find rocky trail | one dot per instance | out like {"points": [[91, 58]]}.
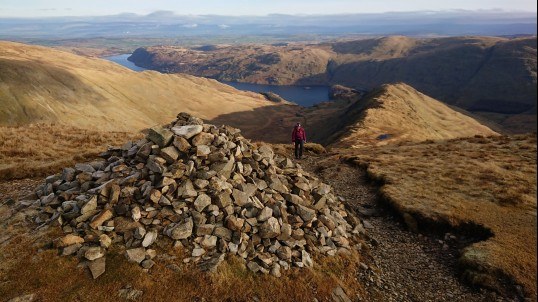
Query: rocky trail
{"points": [[401, 265]]}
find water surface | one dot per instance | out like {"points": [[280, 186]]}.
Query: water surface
{"points": [[302, 95]]}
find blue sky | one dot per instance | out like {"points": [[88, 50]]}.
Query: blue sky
{"points": [[43, 8]]}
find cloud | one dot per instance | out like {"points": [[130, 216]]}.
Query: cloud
{"points": [[223, 26], [190, 25]]}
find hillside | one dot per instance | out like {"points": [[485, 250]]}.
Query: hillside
{"points": [[397, 112], [481, 188], [493, 76], [39, 84]]}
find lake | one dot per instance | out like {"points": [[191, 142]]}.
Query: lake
{"points": [[302, 95]]}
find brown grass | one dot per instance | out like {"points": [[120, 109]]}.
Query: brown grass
{"points": [[43, 149], [488, 182], [27, 266]]}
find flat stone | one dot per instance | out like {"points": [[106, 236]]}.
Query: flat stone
{"points": [[105, 241], [204, 229], [23, 298], [97, 267], [137, 254], [71, 249], [223, 233], [201, 202], [338, 295], [93, 253], [69, 239], [170, 154], [240, 198], [186, 189], [234, 223], [100, 218], [265, 214], [270, 228], [181, 144], [187, 131], [209, 242], [181, 230], [305, 213], [90, 206], [211, 264], [223, 200], [147, 264], [130, 294], [306, 259], [203, 138], [160, 136], [150, 238]]}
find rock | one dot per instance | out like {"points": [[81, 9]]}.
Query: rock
{"points": [[69, 239], [306, 259], [135, 214], [223, 233], [204, 229], [197, 252], [84, 168], [71, 249], [265, 214], [270, 228], [90, 206], [275, 270], [202, 151], [223, 200], [201, 202], [187, 131], [240, 198], [23, 298], [137, 254], [100, 218], [97, 267], [186, 189], [150, 238], [338, 295], [224, 169], [160, 136], [209, 242], [181, 144], [211, 264], [93, 253], [253, 266], [130, 293], [203, 139], [306, 213], [147, 264], [105, 241], [233, 223], [170, 154], [182, 230]]}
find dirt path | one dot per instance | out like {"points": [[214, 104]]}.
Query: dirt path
{"points": [[402, 266]]}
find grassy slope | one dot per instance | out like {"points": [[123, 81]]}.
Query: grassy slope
{"points": [[40, 84], [42, 149], [489, 182], [406, 115]]}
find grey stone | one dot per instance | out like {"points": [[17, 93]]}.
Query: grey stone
{"points": [[201, 202], [181, 230], [270, 228], [160, 136], [97, 267], [338, 295], [150, 238], [211, 264], [93, 253], [187, 131], [137, 254], [170, 154], [265, 214]]}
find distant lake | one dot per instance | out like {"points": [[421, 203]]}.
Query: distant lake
{"points": [[122, 60], [302, 95]]}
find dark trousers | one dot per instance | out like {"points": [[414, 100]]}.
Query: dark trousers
{"points": [[299, 146]]}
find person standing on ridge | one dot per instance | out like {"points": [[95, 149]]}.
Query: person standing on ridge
{"points": [[298, 136]]}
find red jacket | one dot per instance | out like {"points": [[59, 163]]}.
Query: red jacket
{"points": [[298, 133]]}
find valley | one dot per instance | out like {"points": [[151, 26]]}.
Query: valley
{"points": [[496, 80], [443, 206]]}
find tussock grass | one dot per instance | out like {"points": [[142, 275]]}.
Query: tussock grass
{"points": [[489, 182], [43, 149], [29, 267]]}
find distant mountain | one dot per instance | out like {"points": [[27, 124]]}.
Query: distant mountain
{"points": [[493, 76], [397, 112], [39, 84], [168, 24]]}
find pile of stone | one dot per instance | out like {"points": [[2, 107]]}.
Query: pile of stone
{"points": [[200, 187]]}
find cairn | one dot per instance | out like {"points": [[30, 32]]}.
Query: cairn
{"points": [[204, 188]]}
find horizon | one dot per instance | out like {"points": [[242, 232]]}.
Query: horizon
{"points": [[100, 8]]}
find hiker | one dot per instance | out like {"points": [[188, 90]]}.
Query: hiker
{"points": [[298, 136]]}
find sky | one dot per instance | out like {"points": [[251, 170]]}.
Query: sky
{"points": [[49, 8]]}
